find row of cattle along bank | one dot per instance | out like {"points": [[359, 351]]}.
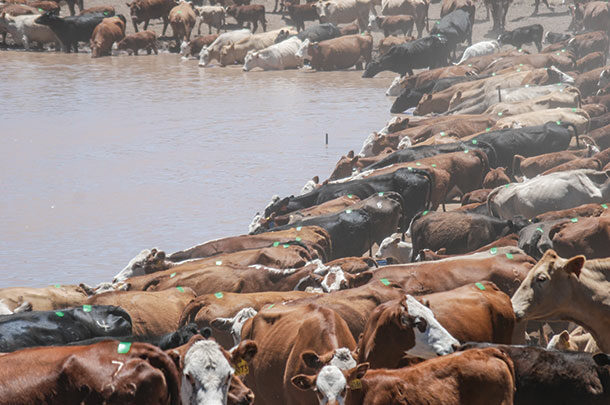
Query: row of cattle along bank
{"points": [[372, 287]]}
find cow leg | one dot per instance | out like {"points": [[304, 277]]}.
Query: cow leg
{"points": [[165, 23], [26, 42], [199, 27], [71, 7], [546, 3], [444, 208], [536, 5], [264, 24], [146, 24], [255, 26], [538, 45], [275, 7]]}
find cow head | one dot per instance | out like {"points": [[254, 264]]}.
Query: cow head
{"points": [[393, 246], [282, 35], [311, 185], [146, 262], [234, 325], [250, 61], [47, 18], [546, 290], [231, 10], [604, 79], [372, 69], [302, 52], [343, 358], [335, 279], [208, 369], [227, 53], [408, 98], [323, 10], [577, 13], [331, 383]]}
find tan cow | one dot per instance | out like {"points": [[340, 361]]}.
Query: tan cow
{"points": [[569, 97], [45, 298], [577, 117], [105, 34], [568, 289], [182, 18], [533, 166], [341, 53], [236, 52]]}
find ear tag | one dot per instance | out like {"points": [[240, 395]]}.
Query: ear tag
{"points": [[539, 229], [487, 129], [299, 228], [348, 211], [285, 246], [509, 256], [558, 122], [218, 262], [86, 308], [480, 286], [474, 141], [276, 244], [493, 250], [123, 347], [350, 196], [57, 286], [355, 384], [241, 368], [219, 295], [605, 206], [423, 214], [172, 275], [380, 194], [433, 164], [417, 164], [443, 133], [180, 289], [384, 281], [59, 314], [270, 306], [574, 220], [298, 238]]}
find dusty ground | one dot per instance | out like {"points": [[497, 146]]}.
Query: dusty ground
{"points": [[519, 14]]}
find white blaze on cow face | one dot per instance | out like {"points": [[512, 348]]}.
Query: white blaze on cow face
{"points": [[334, 279], [431, 339], [234, 325], [367, 146], [564, 77], [302, 52], [331, 385], [393, 246], [343, 359], [206, 375], [395, 88]]}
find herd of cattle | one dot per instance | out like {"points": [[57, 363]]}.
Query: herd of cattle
{"points": [[360, 290]]}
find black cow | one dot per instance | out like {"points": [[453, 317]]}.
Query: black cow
{"points": [[553, 37], [353, 231], [427, 52], [71, 30], [523, 35], [458, 232], [535, 239], [499, 9], [165, 342], [528, 141], [319, 32], [551, 377], [414, 186], [456, 27], [47, 328]]}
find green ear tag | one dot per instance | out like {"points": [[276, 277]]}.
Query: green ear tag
{"points": [[299, 228], [539, 230], [348, 211], [41, 10], [276, 244], [423, 214], [520, 50], [180, 289], [500, 114], [219, 295], [298, 239], [465, 150], [574, 219], [493, 250], [470, 65], [380, 194], [57, 286], [59, 314], [123, 347], [573, 109], [605, 206], [443, 133], [509, 256], [474, 141], [172, 275], [384, 281], [480, 286], [487, 129], [558, 122], [86, 308], [493, 74], [433, 165], [218, 262], [270, 306], [105, 12], [350, 196], [507, 185], [285, 246], [417, 164]]}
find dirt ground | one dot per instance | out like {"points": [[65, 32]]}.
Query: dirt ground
{"points": [[519, 14]]}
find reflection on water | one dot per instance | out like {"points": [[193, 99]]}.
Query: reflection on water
{"points": [[102, 158]]}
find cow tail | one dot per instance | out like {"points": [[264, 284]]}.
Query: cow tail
{"points": [[569, 124], [489, 200], [494, 160], [190, 312], [414, 250]]}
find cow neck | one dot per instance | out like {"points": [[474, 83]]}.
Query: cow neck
{"points": [[356, 396]]}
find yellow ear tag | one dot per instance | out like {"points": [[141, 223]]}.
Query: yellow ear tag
{"points": [[355, 384], [241, 368]]}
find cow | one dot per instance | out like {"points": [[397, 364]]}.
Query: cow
{"points": [[570, 289], [384, 46], [348, 164], [495, 178], [456, 27], [578, 341], [444, 380], [598, 114], [554, 191], [479, 49], [71, 6], [458, 232], [392, 24], [499, 10], [182, 18], [208, 54], [583, 44], [416, 8], [601, 137], [596, 162], [393, 246], [422, 53], [344, 11], [548, 377], [569, 97], [582, 236], [108, 11], [105, 372], [14, 10], [592, 61], [146, 10], [537, 5], [349, 29], [236, 52], [523, 35], [213, 16], [71, 30], [26, 29], [105, 34], [44, 6], [275, 57], [585, 210], [140, 40], [251, 14], [592, 16], [472, 313], [447, 6], [43, 299], [293, 340], [553, 37], [194, 46], [340, 53], [319, 32], [533, 166], [47, 328], [299, 13]]}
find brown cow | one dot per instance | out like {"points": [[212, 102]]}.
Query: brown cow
{"points": [[601, 99], [152, 313], [561, 61], [349, 29], [106, 33], [594, 111], [505, 267], [601, 137], [508, 240], [146, 10], [474, 377], [140, 40], [292, 341], [596, 162], [347, 165], [182, 19], [51, 6], [591, 61], [393, 23], [472, 313], [106, 372], [15, 10], [448, 6], [495, 178], [584, 44], [252, 14], [299, 13], [533, 166], [585, 210], [587, 82], [476, 196], [45, 298], [572, 289], [106, 10], [194, 46], [592, 16], [582, 236], [341, 53]]}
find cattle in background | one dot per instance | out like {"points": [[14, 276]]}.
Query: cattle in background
{"points": [[592, 16], [422, 53], [251, 14], [499, 9], [182, 18], [416, 8], [319, 32], [146, 10], [45, 298], [566, 97], [71, 30], [393, 246], [213, 16], [392, 24], [523, 35], [456, 27], [236, 52], [140, 40], [446, 379], [14, 10], [111, 371], [105, 34], [344, 11], [590, 62], [385, 44], [585, 210], [299, 13], [108, 11], [72, 4], [535, 165], [340, 53], [26, 29], [479, 49], [48, 328], [552, 37], [558, 288], [447, 6]]}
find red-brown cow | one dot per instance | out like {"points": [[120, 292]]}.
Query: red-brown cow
{"points": [[585, 236], [251, 14], [340, 53], [146, 10], [140, 40], [299, 13], [106, 33], [182, 19]]}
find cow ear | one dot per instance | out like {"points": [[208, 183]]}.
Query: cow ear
{"points": [[128, 4], [222, 324], [176, 357], [316, 179], [428, 97], [426, 302], [360, 279], [303, 382], [350, 154], [574, 265], [358, 372], [311, 360], [564, 336], [246, 350], [355, 159]]}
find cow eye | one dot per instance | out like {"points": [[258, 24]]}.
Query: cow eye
{"points": [[421, 324], [541, 278]]}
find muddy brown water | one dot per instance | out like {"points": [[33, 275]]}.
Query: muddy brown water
{"points": [[102, 158]]}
